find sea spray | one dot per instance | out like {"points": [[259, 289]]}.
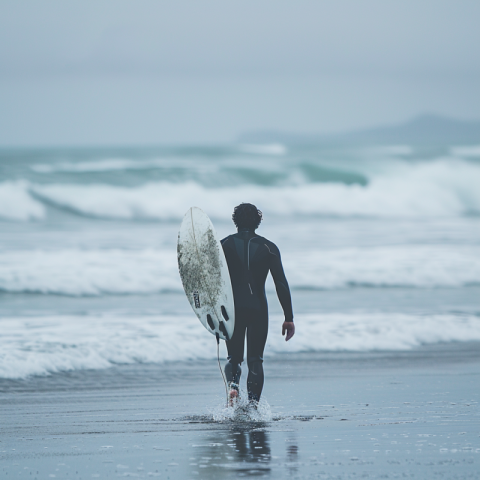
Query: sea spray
{"points": [[242, 411]]}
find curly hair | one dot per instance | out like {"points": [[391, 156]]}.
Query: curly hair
{"points": [[247, 215]]}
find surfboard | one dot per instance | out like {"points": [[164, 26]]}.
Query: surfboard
{"points": [[204, 274]]}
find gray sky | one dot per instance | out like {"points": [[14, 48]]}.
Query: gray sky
{"points": [[134, 72]]}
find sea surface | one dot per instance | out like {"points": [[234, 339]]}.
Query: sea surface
{"points": [[380, 244]]}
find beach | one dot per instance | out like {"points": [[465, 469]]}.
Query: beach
{"points": [[335, 415]]}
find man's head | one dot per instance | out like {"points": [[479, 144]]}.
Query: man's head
{"points": [[246, 215]]}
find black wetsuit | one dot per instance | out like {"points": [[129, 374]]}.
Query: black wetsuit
{"points": [[250, 258]]}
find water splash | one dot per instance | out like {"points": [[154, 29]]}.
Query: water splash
{"points": [[243, 411]]}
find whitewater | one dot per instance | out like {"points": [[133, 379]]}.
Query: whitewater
{"points": [[445, 187], [380, 245], [78, 272], [43, 345]]}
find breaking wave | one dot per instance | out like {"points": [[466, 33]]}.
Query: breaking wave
{"points": [[428, 189], [445, 187], [44, 345], [78, 272]]}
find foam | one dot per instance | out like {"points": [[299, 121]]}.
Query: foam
{"points": [[367, 331], [17, 204], [89, 272], [440, 188], [419, 266], [44, 345], [106, 165], [119, 164], [78, 272]]}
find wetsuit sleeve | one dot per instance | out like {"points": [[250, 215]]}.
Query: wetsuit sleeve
{"points": [[223, 241], [281, 284]]}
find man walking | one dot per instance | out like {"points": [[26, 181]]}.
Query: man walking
{"points": [[250, 258]]}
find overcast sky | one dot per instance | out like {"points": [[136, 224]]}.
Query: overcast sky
{"points": [[199, 71]]}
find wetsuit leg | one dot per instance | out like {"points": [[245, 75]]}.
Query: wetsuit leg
{"points": [[233, 372], [235, 349], [257, 330]]}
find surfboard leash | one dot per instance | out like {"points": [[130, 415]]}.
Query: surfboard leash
{"points": [[217, 336]]}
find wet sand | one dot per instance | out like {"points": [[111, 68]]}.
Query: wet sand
{"points": [[408, 414]]}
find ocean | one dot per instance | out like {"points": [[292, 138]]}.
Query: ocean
{"points": [[380, 245]]}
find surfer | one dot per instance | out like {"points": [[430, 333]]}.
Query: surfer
{"points": [[250, 258]]}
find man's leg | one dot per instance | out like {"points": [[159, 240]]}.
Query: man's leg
{"points": [[233, 372], [256, 338], [235, 348], [255, 378]]}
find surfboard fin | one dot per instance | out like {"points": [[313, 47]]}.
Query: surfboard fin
{"points": [[222, 328], [224, 313], [210, 322]]}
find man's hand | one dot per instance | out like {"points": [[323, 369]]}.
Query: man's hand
{"points": [[288, 327]]}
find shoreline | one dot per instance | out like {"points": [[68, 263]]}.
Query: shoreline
{"points": [[333, 363], [334, 415]]}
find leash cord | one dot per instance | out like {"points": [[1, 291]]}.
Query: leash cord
{"points": [[220, 367]]}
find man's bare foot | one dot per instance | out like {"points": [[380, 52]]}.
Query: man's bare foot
{"points": [[233, 397]]}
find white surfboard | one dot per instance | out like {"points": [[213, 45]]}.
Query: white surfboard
{"points": [[204, 273]]}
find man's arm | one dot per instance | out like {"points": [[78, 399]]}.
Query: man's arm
{"points": [[283, 290]]}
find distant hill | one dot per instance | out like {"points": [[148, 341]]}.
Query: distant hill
{"points": [[422, 130]]}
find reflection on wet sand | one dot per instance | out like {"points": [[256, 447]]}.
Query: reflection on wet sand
{"points": [[242, 450], [292, 458]]}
